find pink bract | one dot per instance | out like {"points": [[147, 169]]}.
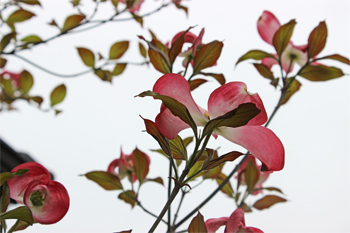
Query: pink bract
{"points": [[47, 199], [14, 77], [259, 140]]}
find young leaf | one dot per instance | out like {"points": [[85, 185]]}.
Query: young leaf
{"points": [[251, 176], [87, 56], [105, 75], [6, 40], [25, 81], [119, 69], [22, 213], [129, 197], [143, 50], [282, 37], [32, 39], [7, 86], [138, 19], [219, 77], [2, 62], [106, 180], [338, 57], [207, 56], [264, 71], [115, 3], [197, 225], [178, 148], [194, 83], [118, 49], [157, 54], [237, 117], [226, 157], [19, 16], [37, 99], [255, 54], [227, 189], [268, 201], [317, 40], [176, 108], [194, 169], [176, 47], [292, 88], [71, 22], [58, 94], [141, 165], [320, 73], [158, 180]]}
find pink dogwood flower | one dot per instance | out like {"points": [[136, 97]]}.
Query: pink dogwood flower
{"points": [[262, 175], [257, 139], [125, 166], [13, 77], [135, 7], [267, 25], [47, 199], [234, 224]]}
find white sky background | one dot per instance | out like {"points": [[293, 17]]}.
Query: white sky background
{"points": [[99, 118]]}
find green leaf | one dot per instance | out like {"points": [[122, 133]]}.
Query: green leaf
{"points": [[143, 50], [207, 56], [19, 16], [141, 165], [6, 40], [71, 22], [30, 2], [264, 71], [138, 19], [106, 180], [227, 189], [158, 180], [58, 94], [87, 56], [157, 54], [320, 73], [5, 198], [3, 62], [178, 148], [251, 176], [292, 89], [32, 39], [118, 49], [226, 157], [7, 86], [4, 176], [115, 3], [235, 118], [129, 197], [75, 2], [317, 40], [176, 47], [26, 81], [337, 57], [176, 108], [194, 169], [194, 83], [246, 208], [197, 224], [273, 189], [256, 55], [219, 77], [152, 129], [18, 226], [105, 75], [212, 173], [268, 201], [119, 69], [36, 99], [22, 213], [282, 37]]}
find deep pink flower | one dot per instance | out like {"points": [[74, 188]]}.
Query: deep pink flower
{"points": [[234, 224], [14, 77], [259, 140], [125, 166], [262, 175], [267, 25], [47, 199], [135, 7]]}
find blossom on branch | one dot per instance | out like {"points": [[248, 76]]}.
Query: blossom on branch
{"points": [[13, 77], [47, 199], [257, 139]]}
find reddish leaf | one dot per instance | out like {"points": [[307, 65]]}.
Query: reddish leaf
{"points": [[105, 75], [246, 208], [254, 54], [115, 2], [30, 2], [37, 99], [129, 197], [282, 37], [273, 189], [106, 180], [19, 16], [196, 83], [3, 62], [292, 88], [320, 73], [157, 53], [119, 69], [338, 57], [251, 176], [219, 77], [138, 19], [58, 94], [71, 22], [226, 157], [181, 7], [227, 189], [264, 71], [207, 56], [6, 40], [317, 40], [197, 224], [25, 81], [118, 49], [158, 180], [53, 23], [143, 50], [176, 47], [212, 173], [87, 56], [268, 201], [5, 198], [141, 165]]}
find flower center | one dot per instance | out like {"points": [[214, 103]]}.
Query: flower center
{"points": [[37, 198], [206, 114]]}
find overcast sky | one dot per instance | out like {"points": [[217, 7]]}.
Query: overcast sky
{"points": [[99, 118]]}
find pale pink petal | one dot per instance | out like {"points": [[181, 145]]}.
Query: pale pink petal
{"points": [[197, 42], [176, 86], [268, 24], [169, 125], [269, 62], [229, 96], [55, 204], [235, 221], [259, 141], [189, 37], [18, 184], [213, 224]]}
